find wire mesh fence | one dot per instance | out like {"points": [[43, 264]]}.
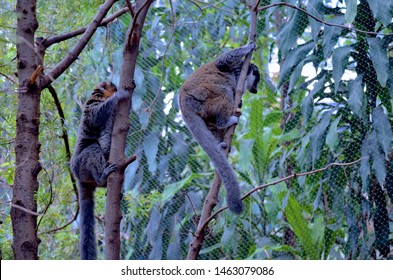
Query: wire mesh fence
{"points": [[322, 116]]}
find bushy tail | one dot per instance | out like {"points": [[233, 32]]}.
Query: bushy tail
{"points": [[87, 234], [210, 145]]}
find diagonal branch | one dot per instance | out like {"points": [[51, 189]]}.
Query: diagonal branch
{"points": [[57, 39], [292, 176], [79, 46]]}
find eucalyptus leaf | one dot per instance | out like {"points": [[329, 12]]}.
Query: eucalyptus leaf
{"points": [[364, 170], [288, 35], [332, 135], [382, 10], [351, 10], [299, 225], [293, 58], [150, 147], [356, 96], [383, 130], [380, 60], [317, 136], [340, 61], [331, 35]]}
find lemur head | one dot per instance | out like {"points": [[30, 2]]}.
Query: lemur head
{"points": [[253, 78], [107, 89]]}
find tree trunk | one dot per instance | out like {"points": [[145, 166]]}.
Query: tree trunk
{"points": [[113, 214], [27, 148]]}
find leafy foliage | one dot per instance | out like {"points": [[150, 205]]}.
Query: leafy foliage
{"points": [[330, 101]]}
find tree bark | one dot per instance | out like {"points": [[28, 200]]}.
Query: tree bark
{"points": [[25, 243], [113, 214], [27, 148]]}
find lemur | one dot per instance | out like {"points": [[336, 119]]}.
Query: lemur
{"points": [[207, 103], [89, 163]]}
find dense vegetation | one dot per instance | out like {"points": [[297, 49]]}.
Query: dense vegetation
{"points": [[325, 97]]}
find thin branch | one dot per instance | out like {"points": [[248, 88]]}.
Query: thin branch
{"points": [[127, 162], [320, 20], [130, 8], [79, 46], [64, 136], [164, 57], [135, 18], [211, 198], [9, 78], [35, 74], [50, 198], [53, 40], [21, 208], [295, 175]]}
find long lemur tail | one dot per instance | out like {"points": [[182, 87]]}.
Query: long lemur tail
{"points": [[210, 145], [87, 234]]}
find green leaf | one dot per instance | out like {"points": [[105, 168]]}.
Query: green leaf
{"points": [[316, 138], [383, 129], [356, 97], [351, 10], [382, 10], [292, 60], [313, 9], [340, 61], [370, 148], [288, 35], [364, 170], [331, 137], [307, 104], [331, 35], [150, 147], [380, 59], [299, 225], [172, 189]]}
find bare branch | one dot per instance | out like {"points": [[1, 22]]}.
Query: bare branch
{"points": [[79, 46], [36, 72], [21, 208], [56, 39], [330, 165], [320, 20]]}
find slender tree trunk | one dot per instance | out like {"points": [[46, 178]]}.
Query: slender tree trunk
{"points": [[211, 199], [113, 214], [25, 244]]}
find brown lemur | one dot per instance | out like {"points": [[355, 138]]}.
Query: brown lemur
{"points": [[207, 105], [89, 163]]}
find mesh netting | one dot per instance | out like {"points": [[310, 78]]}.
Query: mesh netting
{"points": [[323, 106]]}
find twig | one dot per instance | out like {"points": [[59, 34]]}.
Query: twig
{"points": [[35, 74], [135, 18], [21, 208], [8, 78], [129, 160], [68, 156], [50, 198], [53, 40], [73, 54], [282, 180], [320, 20], [130, 8]]}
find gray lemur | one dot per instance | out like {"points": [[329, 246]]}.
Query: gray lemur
{"points": [[207, 104], [89, 163]]}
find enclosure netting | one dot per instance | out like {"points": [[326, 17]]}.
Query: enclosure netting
{"points": [[324, 106]]}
